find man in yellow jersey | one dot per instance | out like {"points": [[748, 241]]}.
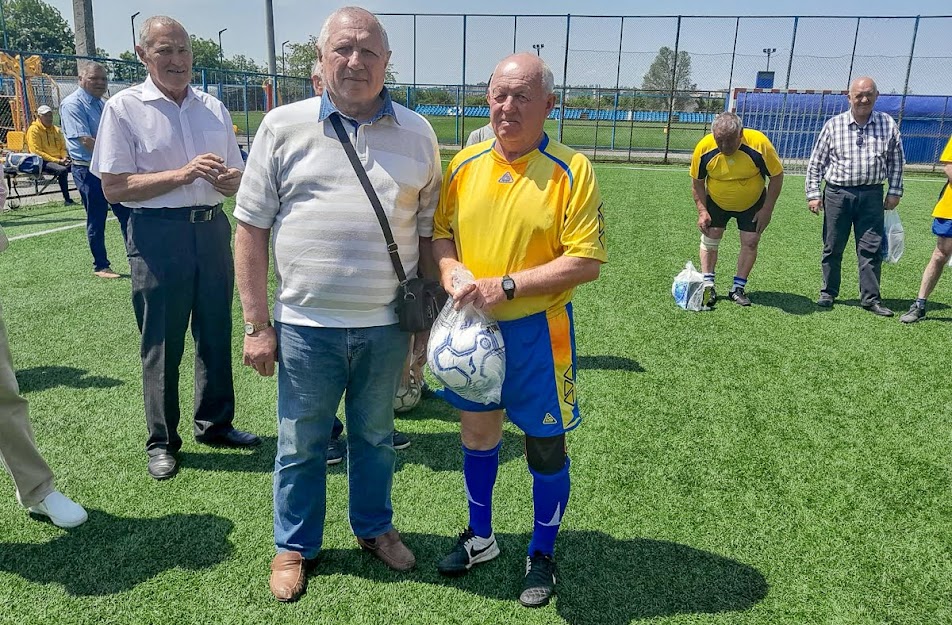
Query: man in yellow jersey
{"points": [[728, 174], [942, 228], [524, 214]]}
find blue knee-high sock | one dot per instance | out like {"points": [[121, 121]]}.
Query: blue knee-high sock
{"points": [[479, 477], [550, 496]]}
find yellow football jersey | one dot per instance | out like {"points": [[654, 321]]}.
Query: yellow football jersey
{"points": [[505, 217], [943, 208], [736, 182]]}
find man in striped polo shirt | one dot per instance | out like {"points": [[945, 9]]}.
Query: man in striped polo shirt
{"points": [[335, 329], [854, 153]]}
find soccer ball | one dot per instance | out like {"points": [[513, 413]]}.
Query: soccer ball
{"points": [[408, 396], [467, 354]]}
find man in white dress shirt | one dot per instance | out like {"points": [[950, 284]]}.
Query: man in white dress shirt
{"points": [[169, 152]]}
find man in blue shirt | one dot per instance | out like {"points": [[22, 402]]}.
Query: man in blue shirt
{"points": [[79, 114]]}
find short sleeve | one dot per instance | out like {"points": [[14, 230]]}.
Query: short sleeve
{"points": [[73, 122], [771, 158], [257, 202], [115, 151], [584, 232], [446, 208], [947, 153]]}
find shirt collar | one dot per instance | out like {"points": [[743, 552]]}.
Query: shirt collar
{"points": [[871, 120], [87, 97], [328, 107], [150, 92]]}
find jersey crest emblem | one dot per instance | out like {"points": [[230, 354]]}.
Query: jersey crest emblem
{"points": [[506, 178]]}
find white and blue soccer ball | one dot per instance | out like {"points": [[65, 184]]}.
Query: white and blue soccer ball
{"points": [[467, 354]]}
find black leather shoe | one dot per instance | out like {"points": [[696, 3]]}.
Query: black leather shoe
{"points": [[163, 466], [232, 438], [825, 301], [879, 309]]}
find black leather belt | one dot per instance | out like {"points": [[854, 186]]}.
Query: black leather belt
{"points": [[191, 214], [858, 187]]}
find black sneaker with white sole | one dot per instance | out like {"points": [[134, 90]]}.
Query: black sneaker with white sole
{"points": [[470, 550], [539, 583], [400, 440]]}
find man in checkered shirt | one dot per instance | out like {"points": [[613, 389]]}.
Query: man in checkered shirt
{"points": [[854, 153]]}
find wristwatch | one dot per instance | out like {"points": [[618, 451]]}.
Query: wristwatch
{"points": [[509, 286], [251, 327]]}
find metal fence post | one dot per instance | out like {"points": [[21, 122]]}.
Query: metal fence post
{"points": [[565, 74], [905, 88], [247, 113], [461, 125], [730, 78], [621, 38], [204, 81], [849, 78], [793, 46], [674, 78], [27, 113]]}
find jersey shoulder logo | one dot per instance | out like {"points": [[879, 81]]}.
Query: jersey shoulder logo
{"points": [[506, 178]]}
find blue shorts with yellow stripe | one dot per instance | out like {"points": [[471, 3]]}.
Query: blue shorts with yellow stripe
{"points": [[942, 227], [538, 393]]}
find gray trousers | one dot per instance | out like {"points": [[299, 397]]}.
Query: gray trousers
{"points": [[183, 273], [859, 209], [18, 453]]}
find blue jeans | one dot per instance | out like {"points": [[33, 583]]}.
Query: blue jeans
{"points": [[316, 367], [97, 209]]}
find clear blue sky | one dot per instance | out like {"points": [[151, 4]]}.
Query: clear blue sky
{"points": [[822, 60]]}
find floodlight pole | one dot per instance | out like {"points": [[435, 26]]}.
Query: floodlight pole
{"points": [[538, 48], [284, 59], [221, 51], [132, 20], [768, 52], [272, 65]]}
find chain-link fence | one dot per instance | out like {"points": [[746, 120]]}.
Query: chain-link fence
{"points": [[629, 88], [29, 80], [645, 88]]}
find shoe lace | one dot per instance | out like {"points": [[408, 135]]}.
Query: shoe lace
{"points": [[465, 537], [540, 570]]}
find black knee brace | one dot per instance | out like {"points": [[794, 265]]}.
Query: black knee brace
{"points": [[546, 455]]}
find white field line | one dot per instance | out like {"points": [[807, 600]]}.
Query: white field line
{"points": [[52, 230]]}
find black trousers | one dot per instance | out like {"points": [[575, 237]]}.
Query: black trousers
{"points": [[62, 176], [859, 209], [182, 270]]}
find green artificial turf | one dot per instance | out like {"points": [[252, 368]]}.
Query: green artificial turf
{"points": [[773, 464]]}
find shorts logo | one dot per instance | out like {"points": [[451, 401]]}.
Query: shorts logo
{"points": [[549, 419], [506, 178]]}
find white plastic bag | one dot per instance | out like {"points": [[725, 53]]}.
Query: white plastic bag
{"points": [[894, 237], [466, 351], [688, 288]]}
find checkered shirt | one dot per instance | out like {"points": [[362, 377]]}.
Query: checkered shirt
{"points": [[849, 155]]}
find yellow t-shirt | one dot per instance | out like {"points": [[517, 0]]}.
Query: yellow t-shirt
{"points": [[943, 208], [737, 181], [505, 217]]}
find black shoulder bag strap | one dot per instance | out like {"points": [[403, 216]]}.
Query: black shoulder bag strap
{"points": [[372, 196]]}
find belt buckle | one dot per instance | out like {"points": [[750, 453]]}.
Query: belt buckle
{"points": [[201, 215]]}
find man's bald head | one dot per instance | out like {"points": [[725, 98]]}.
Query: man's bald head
{"points": [[862, 97], [530, 65]]}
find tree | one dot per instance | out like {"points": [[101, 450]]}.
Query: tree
{"points": [[660, 73], [33, 25]]}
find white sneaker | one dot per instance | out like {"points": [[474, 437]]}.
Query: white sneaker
{"points": [[62, 511], [470, 549]]}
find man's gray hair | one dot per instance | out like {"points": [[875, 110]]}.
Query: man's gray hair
{"points": [[727, 124], [548, 79], [350, 12], [158, 20], [87, 68]]}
